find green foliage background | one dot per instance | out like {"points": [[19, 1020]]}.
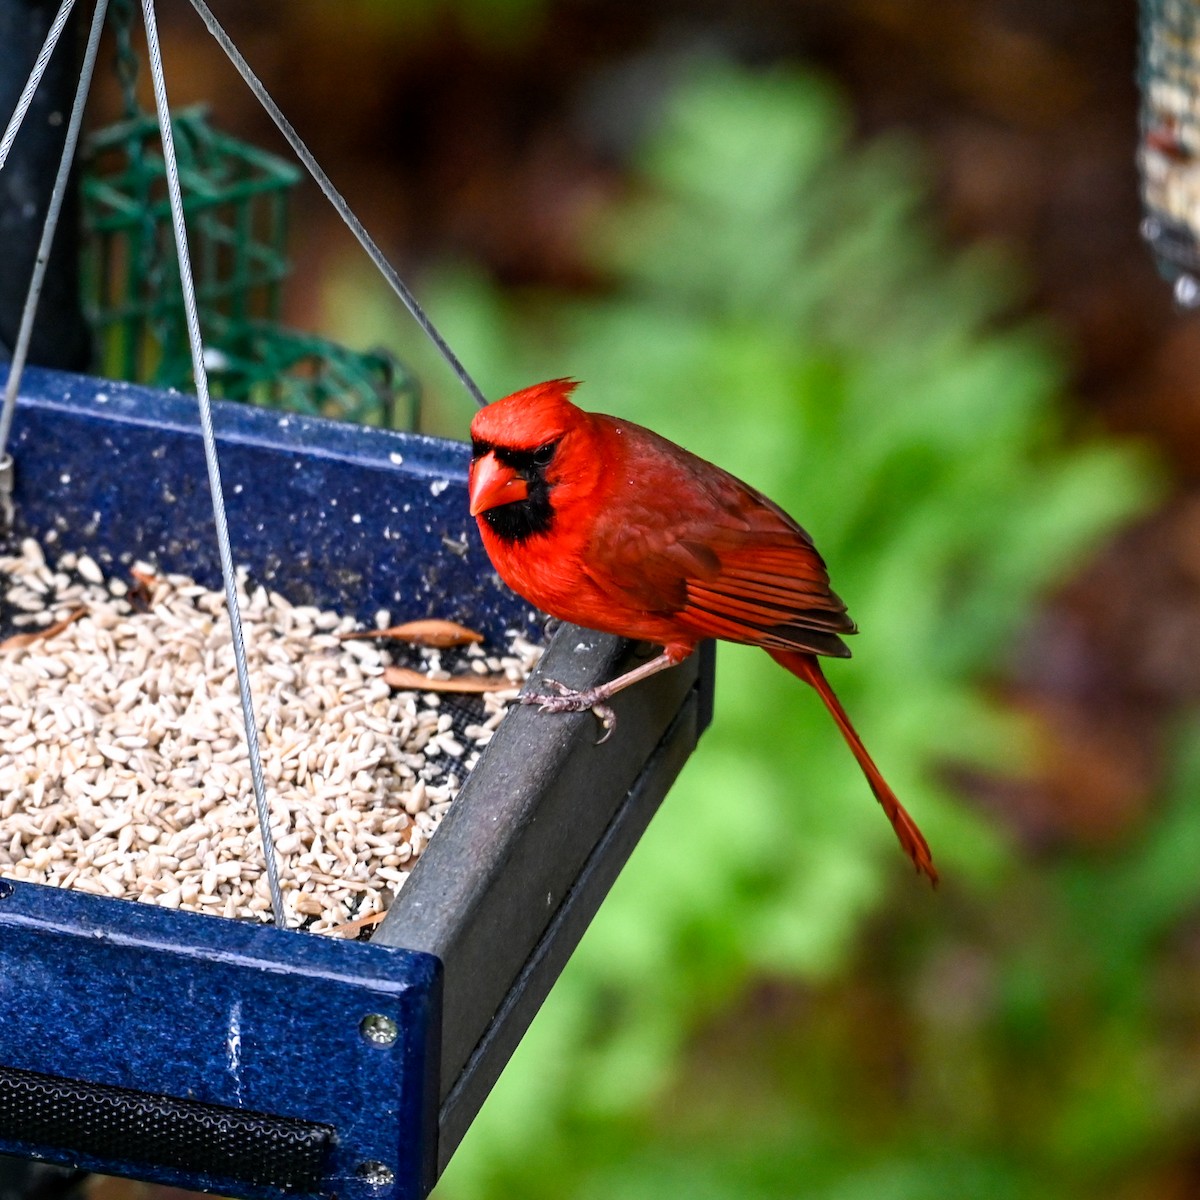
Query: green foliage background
{"points": [[769, 1005]]}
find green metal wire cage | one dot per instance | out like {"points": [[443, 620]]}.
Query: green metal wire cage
{"points": [[1169, 149], [235, 199]]}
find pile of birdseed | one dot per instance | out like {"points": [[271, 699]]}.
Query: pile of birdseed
{"points": [[123, 764]]}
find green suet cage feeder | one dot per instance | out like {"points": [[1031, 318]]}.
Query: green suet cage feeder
{"points": [[236, 201]]}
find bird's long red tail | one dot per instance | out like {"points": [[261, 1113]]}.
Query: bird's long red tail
{"points": [[806, 667]]}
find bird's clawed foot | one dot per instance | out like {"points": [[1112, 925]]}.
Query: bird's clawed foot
{"points": [[568, 699]]}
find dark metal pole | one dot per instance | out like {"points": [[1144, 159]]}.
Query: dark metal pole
{"points": [[60, 336]]}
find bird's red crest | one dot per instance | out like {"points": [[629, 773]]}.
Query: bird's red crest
{"points": [[529, 417]]}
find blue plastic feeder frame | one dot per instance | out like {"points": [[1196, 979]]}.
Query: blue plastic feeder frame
{"points": [[239, 1058]]}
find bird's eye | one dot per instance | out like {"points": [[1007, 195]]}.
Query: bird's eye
{"points": [[543, 454]]}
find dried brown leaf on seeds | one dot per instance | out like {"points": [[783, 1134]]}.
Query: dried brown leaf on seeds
{"points": [[441, 635], [406, 679], [19, 641], [354, 928], [141, 595]]}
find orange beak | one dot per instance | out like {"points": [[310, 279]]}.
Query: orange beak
{"points": [[492, 483]]}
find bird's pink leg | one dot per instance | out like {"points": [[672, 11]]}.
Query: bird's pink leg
{"points": [[565, 699]]}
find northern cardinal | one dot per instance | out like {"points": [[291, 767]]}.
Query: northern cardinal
{"points": [[603, 523]]}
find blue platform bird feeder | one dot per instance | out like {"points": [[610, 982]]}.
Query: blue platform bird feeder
{"points": [[249, 1060], [225, 1055]]}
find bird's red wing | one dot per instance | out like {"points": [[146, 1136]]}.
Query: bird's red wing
{"points": [[774, 595], [698, 546], [640, 567]]}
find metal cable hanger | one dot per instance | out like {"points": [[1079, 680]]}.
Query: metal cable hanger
{"points": [[53, 210], [6, 143], [35, 78], [305, 155], [200, 374], [195, 338]]}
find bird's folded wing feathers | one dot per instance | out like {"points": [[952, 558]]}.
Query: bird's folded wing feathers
{"points": [[777, 596], [764, 586]]}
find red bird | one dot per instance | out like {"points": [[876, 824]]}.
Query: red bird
{"points": [[603, 523]]}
